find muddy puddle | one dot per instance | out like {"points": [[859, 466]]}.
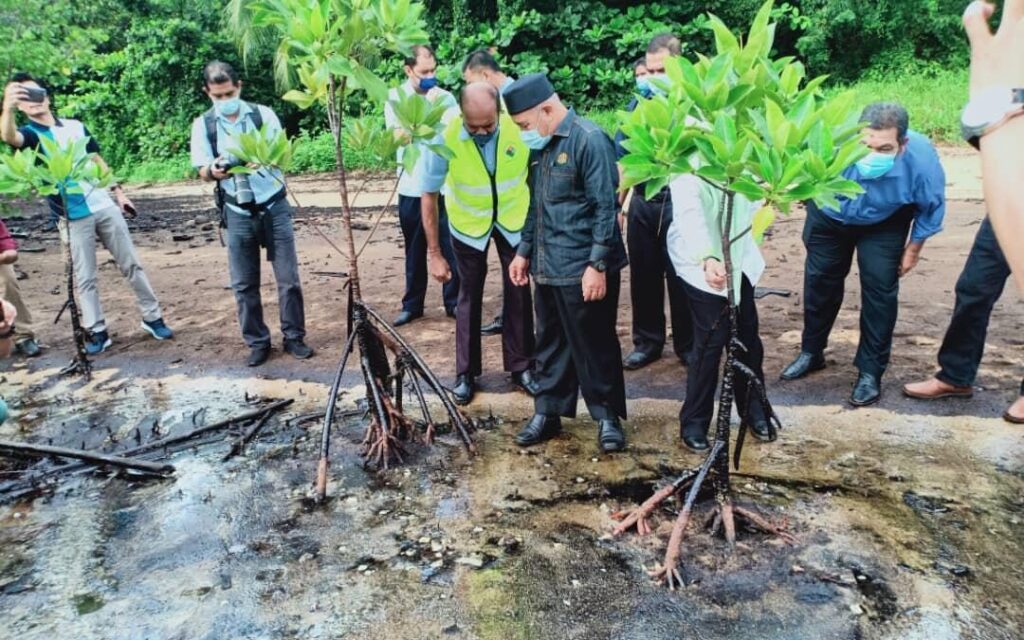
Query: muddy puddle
{"points": [[907, 531]]}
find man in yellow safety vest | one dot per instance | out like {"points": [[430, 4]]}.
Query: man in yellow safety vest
{"points": [[487, 198]]}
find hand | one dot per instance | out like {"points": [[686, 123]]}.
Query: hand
{"points": [[996, 59], [9, 316], [439, 267], [714, 274], [14, 93], [595, 285], [216, 172], [519, 271], [127, 206], [911, 255]]}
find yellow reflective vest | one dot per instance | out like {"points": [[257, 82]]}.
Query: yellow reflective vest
{"points": [[477, 200]]}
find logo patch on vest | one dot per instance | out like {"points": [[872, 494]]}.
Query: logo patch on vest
{"points": [[562, 158], [510, 151]]}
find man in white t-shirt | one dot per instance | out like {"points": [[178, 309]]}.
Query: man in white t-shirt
{"points": [[90, 214]]}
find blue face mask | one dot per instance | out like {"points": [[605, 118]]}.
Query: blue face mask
{"points": [[482, 139], [644, 88], [229, 107], [426, 84], [875, 165], [534, 140], [652, 82]]}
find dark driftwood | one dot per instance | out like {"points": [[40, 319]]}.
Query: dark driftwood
{"points": [[251, 432], [43, 451]]}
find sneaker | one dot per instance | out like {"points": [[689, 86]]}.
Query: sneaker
{"points": [[28, 348], [158, 329], [98, 342]]}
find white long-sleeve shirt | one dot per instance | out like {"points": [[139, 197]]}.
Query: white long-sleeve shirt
{"points": [[693, 236]]}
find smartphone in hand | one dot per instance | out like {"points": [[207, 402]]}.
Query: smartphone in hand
{"points": [[129, 211], [34, 94]]}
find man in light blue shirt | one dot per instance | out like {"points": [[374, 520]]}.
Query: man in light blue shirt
{"points": [[254, 210], [904, 194], [420, 70]]}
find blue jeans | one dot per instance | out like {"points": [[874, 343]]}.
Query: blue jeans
{"points": [[244, 233]]}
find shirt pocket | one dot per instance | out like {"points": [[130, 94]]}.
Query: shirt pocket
{"points": [[561, 184]]}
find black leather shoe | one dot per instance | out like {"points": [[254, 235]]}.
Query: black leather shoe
{"points": [[866, 391], [258, 356], [493, 329], [28, 348], [638, 360], [539, 429], [761, 430], [449, 311], [406, 317], [805, 363], [524, 380], [464, 389], [696, 443], [610, 436], [298, 348]]}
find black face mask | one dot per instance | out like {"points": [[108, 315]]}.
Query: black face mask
{"points": [[483, 138]]}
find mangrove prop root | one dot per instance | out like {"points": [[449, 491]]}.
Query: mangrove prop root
{"points": [[640, 515]]}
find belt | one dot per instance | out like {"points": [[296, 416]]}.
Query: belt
{"points": [[265, 222]]}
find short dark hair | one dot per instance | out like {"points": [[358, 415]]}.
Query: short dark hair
{"points": [[665, 41], [887, 115], [417, 51], [218, 72], [639, 62], [481, 59]]}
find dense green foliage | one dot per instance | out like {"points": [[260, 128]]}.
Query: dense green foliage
{"points": [[130, 69]]}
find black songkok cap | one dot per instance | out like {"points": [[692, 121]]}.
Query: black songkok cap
{"points": [[527, 92]]}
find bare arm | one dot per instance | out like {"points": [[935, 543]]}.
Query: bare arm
{"points": [[8, 128]]}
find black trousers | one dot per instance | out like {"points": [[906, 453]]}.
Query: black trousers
{"points": [[517, 311], [830, 246], [650, 272], [979, 287], [711, 328], [578, 349], [416, 255]]}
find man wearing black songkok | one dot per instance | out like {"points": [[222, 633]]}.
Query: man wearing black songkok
{"points": [[572, 247]]}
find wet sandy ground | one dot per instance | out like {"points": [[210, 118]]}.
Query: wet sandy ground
{"points": [[907, 515]]}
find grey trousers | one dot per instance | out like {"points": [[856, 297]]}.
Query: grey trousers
{"points": [[244, 233], [111, 229], [12, 294]]}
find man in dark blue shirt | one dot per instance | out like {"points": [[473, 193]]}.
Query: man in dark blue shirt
{"points": [[572, 247], [647, 223], [904, 193]]}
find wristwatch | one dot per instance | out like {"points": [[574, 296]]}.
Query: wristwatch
{"points": [[599, 266], [988, 111]]}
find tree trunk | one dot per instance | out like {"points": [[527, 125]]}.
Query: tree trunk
{"points": [[336, 116], [720, 479]]}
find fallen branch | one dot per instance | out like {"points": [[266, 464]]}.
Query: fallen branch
{"points": [[44, 451]]}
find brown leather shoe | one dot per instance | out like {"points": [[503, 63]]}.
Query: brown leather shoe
{"points": [[1015, 414], [933, 389]]}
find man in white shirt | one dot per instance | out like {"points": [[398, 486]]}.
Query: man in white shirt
{"points": [[420, 69], [695, 249]]}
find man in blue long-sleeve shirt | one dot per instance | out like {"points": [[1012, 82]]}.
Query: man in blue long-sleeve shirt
{"points": [[904, 193]]}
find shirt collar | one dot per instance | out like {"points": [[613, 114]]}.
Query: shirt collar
{"points": [[566, 125]]}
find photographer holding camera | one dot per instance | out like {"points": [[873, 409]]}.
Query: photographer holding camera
{"points": [[90, 214], [255, 211]]}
